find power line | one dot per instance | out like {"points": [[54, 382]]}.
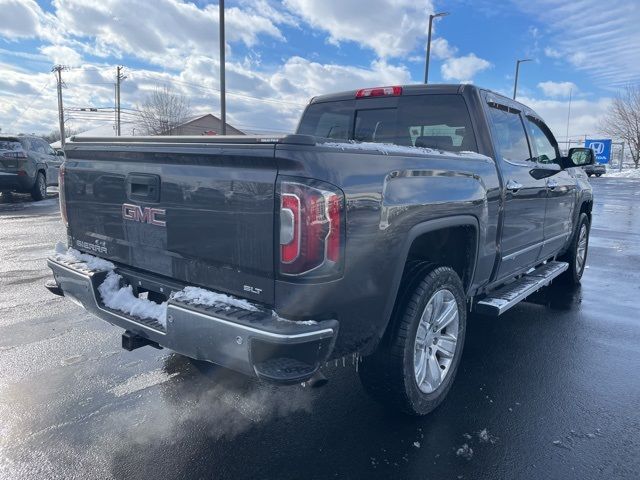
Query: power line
{"points": [[30, 106]]}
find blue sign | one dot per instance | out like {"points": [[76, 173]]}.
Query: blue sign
{"points": [[602, 149]]}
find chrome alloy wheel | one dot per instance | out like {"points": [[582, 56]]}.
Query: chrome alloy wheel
{"points": [[581, 251], [436, 340]]}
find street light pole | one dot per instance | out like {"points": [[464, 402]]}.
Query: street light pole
{"points": [[426, 67], [515, 85], [223, 95]]}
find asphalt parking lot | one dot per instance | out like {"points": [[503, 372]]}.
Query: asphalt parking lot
{"points": [[549, 390]]}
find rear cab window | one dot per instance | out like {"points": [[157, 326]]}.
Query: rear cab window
{"points": [[438, 121]]}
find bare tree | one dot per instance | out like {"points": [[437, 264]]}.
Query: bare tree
{"points": [[622, 121], [163, 111], [54, 135]]}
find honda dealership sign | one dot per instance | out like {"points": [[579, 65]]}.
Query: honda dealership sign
{"points": [[602, 149]]}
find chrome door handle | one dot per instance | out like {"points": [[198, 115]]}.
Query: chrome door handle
{"points": [[552, 184], [514, 186]]}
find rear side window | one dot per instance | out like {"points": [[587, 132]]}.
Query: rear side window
{"points": [[328, 120], [510, 136], [432, 121]]}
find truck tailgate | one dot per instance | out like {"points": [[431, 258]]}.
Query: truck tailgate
{"points": [[202, 213]]}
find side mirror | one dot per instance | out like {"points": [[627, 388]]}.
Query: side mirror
{"points": [[60, 153], [579, 157]]}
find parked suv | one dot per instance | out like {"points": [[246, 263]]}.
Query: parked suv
{"points": [[596, 169], [28, 165]]}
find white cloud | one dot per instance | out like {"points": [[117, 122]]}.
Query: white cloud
{"points": [[585, 115], [162, 32], [392, 28], [464, 68], [552, 52], [20, 18], [61, 54], [557, 89], [442, 49], [602, 41]]}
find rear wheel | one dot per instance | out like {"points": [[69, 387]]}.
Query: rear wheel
{"points": [[598, 175], [414, 370], [39, 191], [576, 256]]}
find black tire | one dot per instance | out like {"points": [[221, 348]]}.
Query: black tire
{"points": [[598, 175], [388, 374], [589, 175], [576, 268], [39, 191]]}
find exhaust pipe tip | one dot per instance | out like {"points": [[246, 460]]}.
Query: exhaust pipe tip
{"points": [[316, 381]]}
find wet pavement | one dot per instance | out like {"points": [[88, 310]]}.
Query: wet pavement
{"points": [[549, 390]]}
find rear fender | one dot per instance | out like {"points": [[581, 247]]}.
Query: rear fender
{"points": [[415, 232]]}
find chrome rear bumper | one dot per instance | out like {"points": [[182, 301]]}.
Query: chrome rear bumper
{"points": [[253, 343]]}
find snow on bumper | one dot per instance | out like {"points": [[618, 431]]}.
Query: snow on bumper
{"points": [[198, 323]]}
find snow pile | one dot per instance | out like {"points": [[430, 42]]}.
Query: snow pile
{"points": [[486, 437], [626, 173], [81, 260], [122, 299], [465, 451], [390, 149], [200, 296]]}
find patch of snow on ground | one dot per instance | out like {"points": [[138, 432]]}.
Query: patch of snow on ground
{"points": [[141, 382], [626, 173], [200, 296], [465, 451], [390, 149], [122, 299], [81, 260], [485, 437]]}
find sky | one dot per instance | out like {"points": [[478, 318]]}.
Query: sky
{"points": [[282, 53]]}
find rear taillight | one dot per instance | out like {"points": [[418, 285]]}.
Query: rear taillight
{"points": [[379, 92], [311, 229], [61, 196]]}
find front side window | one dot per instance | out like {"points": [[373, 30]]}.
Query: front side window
{"points": [[545, 151], [510, 136]]}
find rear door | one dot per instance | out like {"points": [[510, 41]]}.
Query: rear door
{"points": [[53, 164], [200, 213], [524, 199], [561, 189]]}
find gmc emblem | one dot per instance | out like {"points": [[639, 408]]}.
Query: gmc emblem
{"points": [[143, 215]]}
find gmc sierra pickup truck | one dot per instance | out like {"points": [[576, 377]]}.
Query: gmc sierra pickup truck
{"points": [[371, 233]]}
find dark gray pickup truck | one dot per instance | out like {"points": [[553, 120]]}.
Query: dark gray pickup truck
{"points": [[371, 233]]}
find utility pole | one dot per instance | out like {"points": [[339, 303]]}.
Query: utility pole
{"points": [[515, 85], [58, 70], [223, 99], [426, 67], [119, 78]]}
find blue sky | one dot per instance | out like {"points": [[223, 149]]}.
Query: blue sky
{"points": [[281, 53]]}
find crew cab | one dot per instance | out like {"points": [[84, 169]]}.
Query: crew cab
{"points": [[370, 233]]}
